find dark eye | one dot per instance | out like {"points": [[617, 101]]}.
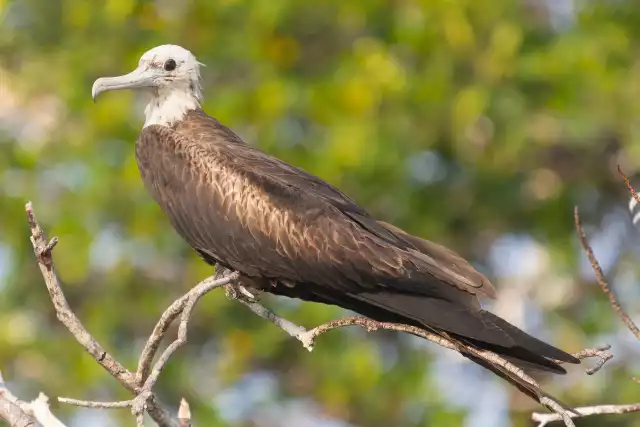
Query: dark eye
{"points": [[170, 65]]}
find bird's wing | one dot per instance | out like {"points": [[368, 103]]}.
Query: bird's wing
{"points": [[446, 257], [264, 217], [445, 264]]}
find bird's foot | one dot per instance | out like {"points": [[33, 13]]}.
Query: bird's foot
{"points": [[239, 292]]}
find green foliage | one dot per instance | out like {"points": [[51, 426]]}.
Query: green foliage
{"points": [[460, 121]]}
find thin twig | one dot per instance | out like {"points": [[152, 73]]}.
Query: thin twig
{"points": [[43, 252], [185, 306], [191, 298], [289, 327], [560, 412], [601, 352], [544, 419], [178, 307], [629, 186], [308, 340], [153, 343], [93, 404], [243, 296], [613, 301]]}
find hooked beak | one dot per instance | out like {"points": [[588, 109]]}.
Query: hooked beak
{"points": [[138, 78]]}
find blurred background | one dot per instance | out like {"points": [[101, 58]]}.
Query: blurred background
{"points": [[476, 124]]}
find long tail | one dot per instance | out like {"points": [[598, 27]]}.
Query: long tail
{"points": [[479, 328]]}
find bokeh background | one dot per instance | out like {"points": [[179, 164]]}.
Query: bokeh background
{"points": [[477, 124]]}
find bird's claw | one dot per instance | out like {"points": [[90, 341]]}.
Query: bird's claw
{"points": [[246, 293], [239, 292]]}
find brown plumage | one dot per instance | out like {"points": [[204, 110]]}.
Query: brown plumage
{"points": [[250, 212], [290, 233]]}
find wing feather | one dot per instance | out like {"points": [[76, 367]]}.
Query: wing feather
{"points": [[264, 217]]}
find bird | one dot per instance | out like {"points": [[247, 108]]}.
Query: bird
{"points": [[289, 233]]}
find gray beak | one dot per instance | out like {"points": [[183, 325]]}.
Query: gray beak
{"points": [[138, 78]]}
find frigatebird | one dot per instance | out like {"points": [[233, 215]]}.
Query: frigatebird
{"points": [[290, 233]]}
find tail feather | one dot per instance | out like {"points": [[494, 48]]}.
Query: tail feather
{"points": [[520, 357], [529, 389], [484, 329], [529, 342], [476, 327]]}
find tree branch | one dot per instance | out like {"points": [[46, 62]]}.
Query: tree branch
{"points": [[308, 338], [629, 186], [585, 411], [18, 413], [97, 405], [43, 252], [602, 353], [544, 419], [613, 301], [11, 408], [185, 306]]}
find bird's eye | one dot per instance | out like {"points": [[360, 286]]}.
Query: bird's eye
{"points": [[170, 65]]}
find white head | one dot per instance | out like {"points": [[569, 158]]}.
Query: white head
{"points": [[171, 74]]}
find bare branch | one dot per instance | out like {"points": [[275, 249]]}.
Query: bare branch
{"points": [[184, 306], [190, 300], [629, 186], [560, 412], [11, 408], [585, 411], [243, 296], [153, 343], [308, 338], [43, 252], [98, 405], [602, 353], [600, 277], [289, 327], [139, 406], [18, 413]]}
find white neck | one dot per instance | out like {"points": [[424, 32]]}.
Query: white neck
{"points": [[170, 105]]}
